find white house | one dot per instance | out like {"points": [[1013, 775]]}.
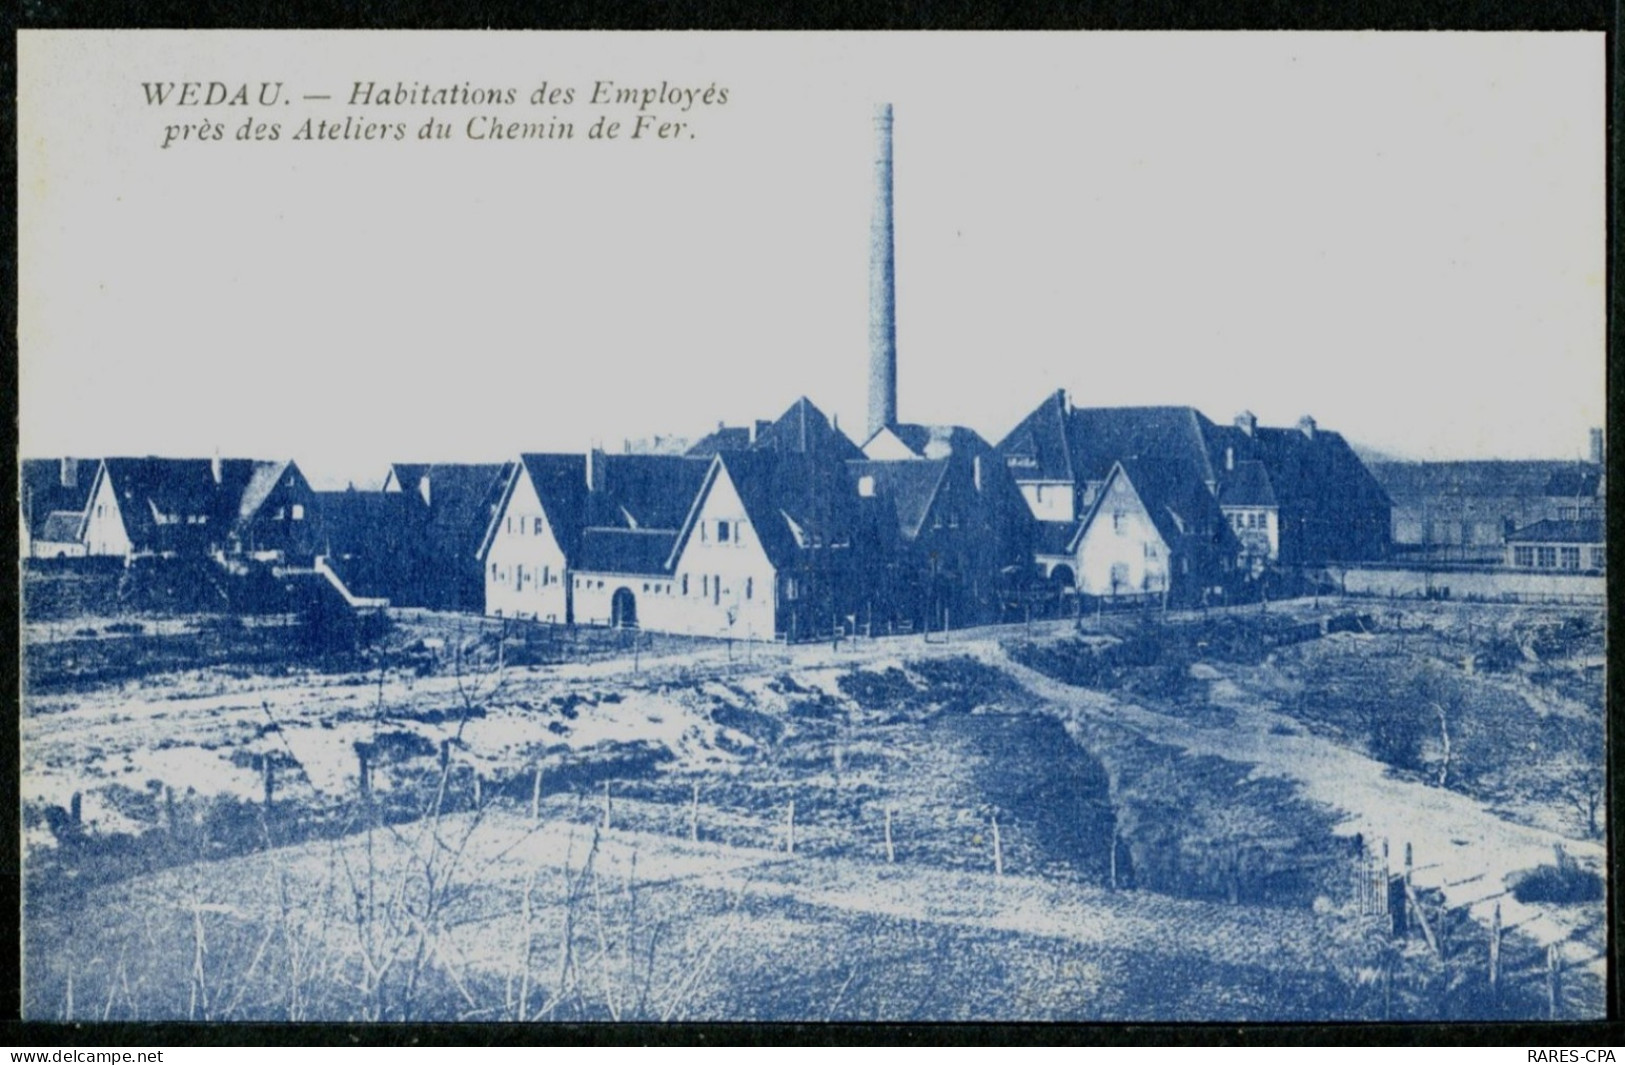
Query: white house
{"points": [[1152, 532], [527, 570]]}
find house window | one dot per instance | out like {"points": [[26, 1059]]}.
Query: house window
{"points": [[298, 512], [705, 584], [703, 537], [722, 532], [645, 587], [1546, 557], [1119, 522], [1599, 557], [547, 575], [748, 584], [536, 526], [685, 584], [519, 578], [1523, 556], [493, 571], [790, 589], [1571, 558], [1119, 574]]}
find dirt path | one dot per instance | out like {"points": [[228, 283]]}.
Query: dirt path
{"points": [[1460, 847]]}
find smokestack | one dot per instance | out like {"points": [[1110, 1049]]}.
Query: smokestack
{"points": [[69, 472], [214, 466], [1598, 451], [882, 286]]}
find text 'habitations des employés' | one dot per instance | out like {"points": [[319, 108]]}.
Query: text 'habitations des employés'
{"points": [[375, 111]]}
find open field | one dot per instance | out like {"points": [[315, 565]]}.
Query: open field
{"points": [[1153, 818]]}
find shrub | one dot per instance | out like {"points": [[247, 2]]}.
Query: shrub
{"points": [[1558, 883], [877, 691]]}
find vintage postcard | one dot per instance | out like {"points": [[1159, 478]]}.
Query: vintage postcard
{"points": [[543, 527]]}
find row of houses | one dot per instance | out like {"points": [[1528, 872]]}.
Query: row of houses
{"points": [[780, 528]]}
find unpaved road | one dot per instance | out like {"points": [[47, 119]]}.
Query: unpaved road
{"points": [[1459, 846]]}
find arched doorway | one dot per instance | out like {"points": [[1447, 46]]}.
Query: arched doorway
{"points": [[1063, 578], [623, 609]]}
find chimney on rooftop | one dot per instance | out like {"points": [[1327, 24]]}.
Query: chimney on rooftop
{"points": [[1229, 458], [214, 466], [1599, 450], [1306, 426], [423, 489], [882, 285], [69, 473], [976, 471], [1247, 422], [595, 469]]}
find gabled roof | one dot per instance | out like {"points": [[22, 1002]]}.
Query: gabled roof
{"points": [[245, 485], [1056, 537], [1308, 469], [795, 501], [935, 441], [1559, 532], [1180, 506], [908, 486], [802, 429], [1037, 449], [1248, 485], [641, 552], [1100, 436], [463, 501], [173, 488], [642, 491], [41, 492]]}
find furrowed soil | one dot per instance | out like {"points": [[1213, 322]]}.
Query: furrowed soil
{"points": [[1005, 824]]}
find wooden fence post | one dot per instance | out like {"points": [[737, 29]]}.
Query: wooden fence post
{"points": [[270, 781], [76, 809], [606, 804], [694, 815], [1495, 954], [998, 849], [536, 795], [1553, 982], [478, 788], [790, 828], [365, 773], [891, 855]]}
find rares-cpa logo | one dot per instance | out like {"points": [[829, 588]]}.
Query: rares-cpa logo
{"points": [[1547, 1055]]}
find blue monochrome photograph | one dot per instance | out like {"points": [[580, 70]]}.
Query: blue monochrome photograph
{"points": [[584, 527]]}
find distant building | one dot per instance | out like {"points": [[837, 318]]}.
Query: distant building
{"points": [[1297, 496], [1465, 511], [52, 497], [1575, 546], [373, 542], [224, 508]]}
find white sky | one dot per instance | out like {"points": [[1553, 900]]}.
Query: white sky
{"points": [[1400, 234]]}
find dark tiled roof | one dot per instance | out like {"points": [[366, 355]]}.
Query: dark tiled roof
{"points": [[803, 429], [1037, 448], [795, 501], [1559, 532], [462, 502], [1248, 485], [908, 486], [630, 551], [362, 522], [1319, 471], [1574, 481], [173, 488], [561, 485], [1406, 482], [245, 484], [1100, 436], [42, 493], [1056, 537], [642, 491], [940, 441]]}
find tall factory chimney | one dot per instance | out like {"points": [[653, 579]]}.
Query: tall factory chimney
{"points": [[882, 286]]}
